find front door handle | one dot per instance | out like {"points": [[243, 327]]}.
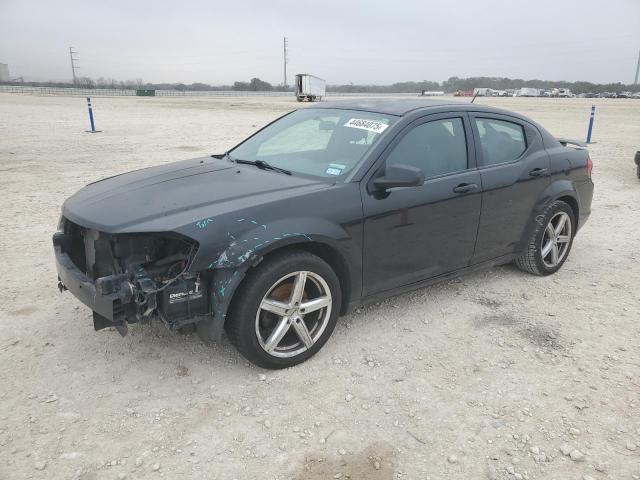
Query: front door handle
{"points": [[465, 188], [538, 172]]}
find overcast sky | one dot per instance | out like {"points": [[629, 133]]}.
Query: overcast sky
{"points": [[374, 41]]}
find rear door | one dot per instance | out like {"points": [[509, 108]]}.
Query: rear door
{"points": [[514, 170], [420, 232]]}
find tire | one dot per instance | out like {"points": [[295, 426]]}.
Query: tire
{"points": [[535, 259], [638, 170], [257, 332]]}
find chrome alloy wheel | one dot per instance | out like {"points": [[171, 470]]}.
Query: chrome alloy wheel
{"points": [[293, 314], [556, 240]]}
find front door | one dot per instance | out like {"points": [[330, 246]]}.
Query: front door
{"points": [[414, 233]]}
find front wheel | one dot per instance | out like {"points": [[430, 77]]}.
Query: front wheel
{"points": [[551, 242], [285, 310]]}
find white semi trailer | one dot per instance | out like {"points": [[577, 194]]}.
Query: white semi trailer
{"points": [[309, 88]]}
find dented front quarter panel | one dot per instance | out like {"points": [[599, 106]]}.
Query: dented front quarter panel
{"points": [[230, 243]]}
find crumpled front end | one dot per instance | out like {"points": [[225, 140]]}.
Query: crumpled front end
{"points": [[130, 278]]}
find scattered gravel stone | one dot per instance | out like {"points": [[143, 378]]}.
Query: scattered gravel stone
{"points": [[262, 377], [41, 465], [342, 451], [566, 449], [576, 455], [138, 462], [348, 397], [492, 473], [600, 467], [376, 465], [51, 398], [452, 459], [156, 467], [122, 476], [631, 446]]}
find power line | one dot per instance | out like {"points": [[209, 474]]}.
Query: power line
{"points": [[74, 67]]}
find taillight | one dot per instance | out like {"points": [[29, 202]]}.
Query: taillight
{"points": [[589, 165]]}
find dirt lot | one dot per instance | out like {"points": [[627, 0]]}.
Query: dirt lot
{"points": [[495, 375]]}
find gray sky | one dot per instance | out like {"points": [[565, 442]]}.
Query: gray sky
{"points": [[374, 41]]}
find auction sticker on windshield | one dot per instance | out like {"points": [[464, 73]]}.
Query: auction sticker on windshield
{"points": [[370, 125]]}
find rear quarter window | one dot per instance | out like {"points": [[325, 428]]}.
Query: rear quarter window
{"points": [[501, 141]]}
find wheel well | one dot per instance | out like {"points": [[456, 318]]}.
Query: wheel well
{"points": [[335, 261], [573, 204]]}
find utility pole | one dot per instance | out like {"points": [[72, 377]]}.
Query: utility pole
{"points": [[286, 60], [637, 69], [73, 64]]}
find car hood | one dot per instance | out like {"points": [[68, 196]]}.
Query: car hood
{"points": [[167, 197]]}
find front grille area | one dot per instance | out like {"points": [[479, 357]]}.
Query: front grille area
{"points": [[75, 245]]}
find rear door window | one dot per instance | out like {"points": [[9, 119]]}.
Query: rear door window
{"points": [[501, 141]]}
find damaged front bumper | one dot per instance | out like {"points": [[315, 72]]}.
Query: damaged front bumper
{"points": [[131, 278], [106, 305]]}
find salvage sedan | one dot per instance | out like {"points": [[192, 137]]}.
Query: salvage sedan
{"points": [[320, 211]]}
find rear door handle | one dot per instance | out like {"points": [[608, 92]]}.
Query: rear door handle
{"points": [[538, 172], [465, 188]]}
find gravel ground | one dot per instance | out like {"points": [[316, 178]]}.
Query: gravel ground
{"points": [[494, 375]]}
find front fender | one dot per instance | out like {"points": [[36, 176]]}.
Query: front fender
{"points": [[259, 241], [247, 248]]}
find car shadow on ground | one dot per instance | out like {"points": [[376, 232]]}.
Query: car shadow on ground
{"points": [[148, 341]]}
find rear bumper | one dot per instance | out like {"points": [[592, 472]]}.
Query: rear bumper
{"points": [[80, 285], [585, 196]]}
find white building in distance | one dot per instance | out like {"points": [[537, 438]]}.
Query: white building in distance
{"points": [[4, 72]]}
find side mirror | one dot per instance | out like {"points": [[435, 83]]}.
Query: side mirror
{"points": [[399, 176]]}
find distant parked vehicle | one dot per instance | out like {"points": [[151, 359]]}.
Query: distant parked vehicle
{"points": [[309, 88], [563, 93], [483, 92], [528, 92], [625, 95]]}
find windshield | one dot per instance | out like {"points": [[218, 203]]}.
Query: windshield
{"points": [[320, 142]]}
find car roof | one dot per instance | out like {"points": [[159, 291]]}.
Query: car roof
{"points": [[390, 106]]}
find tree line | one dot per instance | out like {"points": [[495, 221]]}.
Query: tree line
{"points": [[255, 84]]}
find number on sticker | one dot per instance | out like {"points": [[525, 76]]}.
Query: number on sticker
{"points": [[370, 125]]}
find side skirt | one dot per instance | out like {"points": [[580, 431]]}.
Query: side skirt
{"points": [[376, 297]]}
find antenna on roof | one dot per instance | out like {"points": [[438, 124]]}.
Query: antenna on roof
{"points": [[474, 97]]}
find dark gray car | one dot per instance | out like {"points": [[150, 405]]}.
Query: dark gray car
{"points": [[324, 209]]}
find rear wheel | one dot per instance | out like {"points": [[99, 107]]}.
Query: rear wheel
{"points": [[285, 310], [551, 242]]}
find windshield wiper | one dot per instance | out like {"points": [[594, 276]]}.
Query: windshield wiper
{"points": [[263, 165]]}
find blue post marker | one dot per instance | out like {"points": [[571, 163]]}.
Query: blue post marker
{"points": [[93, 125], [591, 119]]}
